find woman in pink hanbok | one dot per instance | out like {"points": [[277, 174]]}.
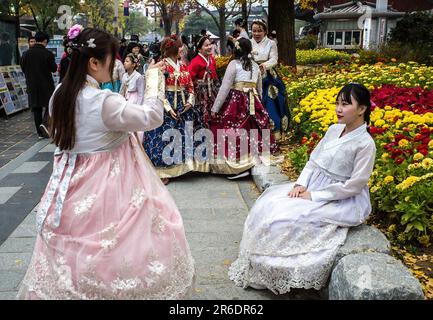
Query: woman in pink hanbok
{"points": [[107, 227]]}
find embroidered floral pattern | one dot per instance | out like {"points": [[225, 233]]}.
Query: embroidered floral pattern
{"points": [[158, 224], [156, 267], [115, 167], [82, 207], [50, 278], [138, 197], [78, 175]]}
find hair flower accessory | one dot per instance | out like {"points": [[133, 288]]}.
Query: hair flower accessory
{"points": [[91, 43], [74, 31], [237, 45]]}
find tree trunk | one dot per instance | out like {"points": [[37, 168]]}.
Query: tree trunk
{"points": [[244, 10], [282, 20], [222, 30], [166, 19], [177, 27]]}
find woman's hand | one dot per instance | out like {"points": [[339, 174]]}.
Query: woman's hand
{"points": [[153, 65], [305, 195], [173, 114], [187, 107], [296, 191]]}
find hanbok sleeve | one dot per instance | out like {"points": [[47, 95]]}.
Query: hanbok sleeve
{"points": [[228, 80], [193, 69], [140, 90], [307, 171], [273, 57], [259, 85], [121, 115], [120, 70], [362, 169]]}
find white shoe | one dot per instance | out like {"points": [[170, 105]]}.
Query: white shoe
{"points": [[240, 175]]}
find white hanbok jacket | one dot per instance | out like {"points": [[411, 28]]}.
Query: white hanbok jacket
{"points": [[349, 159]]}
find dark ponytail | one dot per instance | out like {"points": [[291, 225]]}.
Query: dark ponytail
{"points": [[361, 94], [62, 122], [242, 52]]}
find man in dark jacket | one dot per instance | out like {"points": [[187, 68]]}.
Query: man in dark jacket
{"points": [[38, 64]]}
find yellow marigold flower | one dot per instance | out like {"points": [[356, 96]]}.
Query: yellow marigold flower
{"points": [[374, 189], [297, 120], [410, 181], [388, 108], [430, 144], [418, 156], [427, 163], [414, 166], [388, 179], [403, 143], [379, 123], [385, 156]]}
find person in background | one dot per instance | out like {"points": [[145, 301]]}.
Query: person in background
{"points": [[32, 41], [38, 64], [123, 48], [203, 74], [273, 36], [265, 53], [185, 54], [132, 87], [238, 110], [231, 41], [66, 59], [6, 50], [118, 72], [241, 26], [136, 49]]}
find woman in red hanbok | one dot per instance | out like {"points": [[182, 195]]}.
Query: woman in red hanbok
{"points": [[238, 116]]}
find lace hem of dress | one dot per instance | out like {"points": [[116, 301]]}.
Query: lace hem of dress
{"points": [[244, 273], [51, 281]]}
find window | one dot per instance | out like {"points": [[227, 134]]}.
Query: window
{"points": [[338, 38], [348, 38], [356, 37], [330, 38]]}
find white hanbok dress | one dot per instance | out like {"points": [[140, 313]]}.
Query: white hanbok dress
{"points": [[291, 242]]}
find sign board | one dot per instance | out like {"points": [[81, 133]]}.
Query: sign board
{"points": [[367, 34], [13, 89]]}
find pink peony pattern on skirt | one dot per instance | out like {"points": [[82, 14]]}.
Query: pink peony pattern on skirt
{"points": [[121, 235]]}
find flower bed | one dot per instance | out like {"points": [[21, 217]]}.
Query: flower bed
{"points": [[320, 56], [372, 76]]}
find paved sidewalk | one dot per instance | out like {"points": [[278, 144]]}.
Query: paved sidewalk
{"points": [[213, 210], [17, 134]]}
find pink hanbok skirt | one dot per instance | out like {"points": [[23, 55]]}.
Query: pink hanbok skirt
{"points": [[120, 236]]}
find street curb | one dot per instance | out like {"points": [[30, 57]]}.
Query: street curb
{"points": [[23, 157]]}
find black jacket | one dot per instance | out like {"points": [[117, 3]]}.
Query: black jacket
{"points": [[38, 64]]}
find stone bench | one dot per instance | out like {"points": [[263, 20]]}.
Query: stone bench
{"points": [[363, 268]]}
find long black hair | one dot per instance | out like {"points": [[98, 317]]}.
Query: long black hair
{"points": [[361, 94], [242, 52], [62, 126]]}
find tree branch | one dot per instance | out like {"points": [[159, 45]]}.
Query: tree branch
{"points": [[231, 13], [209, 12]]}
